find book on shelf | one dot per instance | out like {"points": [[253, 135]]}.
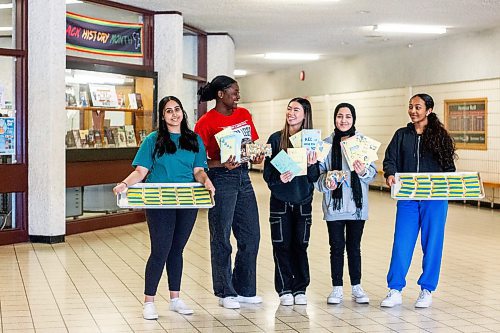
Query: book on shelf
{"points": [[121, 138], [70, 140], [130, 135], [90, 138], [138, 99], [108, 134], [360, 147], [103, 95], [142, 135], [76, 136], [98, 139], [83, 138], [132, 101]]}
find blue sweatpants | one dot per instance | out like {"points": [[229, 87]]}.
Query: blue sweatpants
{"points": [[428, 217]]}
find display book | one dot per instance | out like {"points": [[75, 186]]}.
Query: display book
{"points": [[232, 143], [110, 137], [360, 147], [165, 195], [438, 186]]}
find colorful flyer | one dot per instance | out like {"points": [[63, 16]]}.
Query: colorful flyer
{"points": [[7, 136]]}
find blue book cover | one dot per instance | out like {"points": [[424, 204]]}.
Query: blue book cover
{"points": [[283, 163], [310, 138]]}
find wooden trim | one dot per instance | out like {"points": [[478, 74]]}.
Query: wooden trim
{"points": [[194, 77], [102, 222], [202, 56], [13, 52], [97, 173], [13, 236], [13, 178], [122, 6], [89, 64], [168, 12], [149, 40], [195, 30]]}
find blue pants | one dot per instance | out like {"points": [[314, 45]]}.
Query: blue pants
{"points": [[428, 217], [235, 209]]}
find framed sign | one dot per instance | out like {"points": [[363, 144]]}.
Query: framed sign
{"points": [[466, 120]]}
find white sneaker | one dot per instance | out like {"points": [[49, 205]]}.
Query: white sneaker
{"points": [[286, 299], [301, 299], [250, 300], [149, 311], [359, 295], [393, 298], [229, 302], [177, 305], [424, 300], [336, 296]]}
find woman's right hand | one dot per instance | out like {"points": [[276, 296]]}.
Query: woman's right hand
{"points": [[391, 180], [286, 177]]}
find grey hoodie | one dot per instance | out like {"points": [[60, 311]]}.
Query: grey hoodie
{"points": [[348, 209]]}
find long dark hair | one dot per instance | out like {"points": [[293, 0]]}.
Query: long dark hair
{"points": [[164, 144], [337, 194], [209, 91], [306, 123], [435, 138]]}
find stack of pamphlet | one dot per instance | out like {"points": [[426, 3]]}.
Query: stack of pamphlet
{"points": [[360, 147]]}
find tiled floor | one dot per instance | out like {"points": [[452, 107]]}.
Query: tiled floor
{"points": [[94, 282]]}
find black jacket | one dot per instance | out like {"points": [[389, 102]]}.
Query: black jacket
{"points": [[404, 154], [300, 190]]}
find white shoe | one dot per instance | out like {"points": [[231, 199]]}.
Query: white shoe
{"points": [[359, 295], [149, 311], [286, 299], [424, 300], [393, 298], [250, 300], [229, 302], [336, 296], [300, 299], [177, 305]]}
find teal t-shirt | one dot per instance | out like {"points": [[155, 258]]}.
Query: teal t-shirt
{"points": [[170, 168]]}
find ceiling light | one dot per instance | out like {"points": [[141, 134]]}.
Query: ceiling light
{"points": [[72, 2], [291, 56], [5, 28], [409, 28], [5, 6], [239, 72]]}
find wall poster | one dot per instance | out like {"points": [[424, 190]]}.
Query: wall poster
{"points": [[466, 120]]}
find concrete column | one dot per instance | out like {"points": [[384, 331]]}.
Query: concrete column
{"points": [[220, 58], [46, 120], [168, 52]]}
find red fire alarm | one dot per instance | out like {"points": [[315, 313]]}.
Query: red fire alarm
{"points": [[302, 75]]}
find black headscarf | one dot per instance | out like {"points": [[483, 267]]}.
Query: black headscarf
{"points": [[337, 162]]}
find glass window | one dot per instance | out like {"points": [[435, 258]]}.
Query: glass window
{"points": [[190, 100], [7, 24], [190, 53], [8, 123], [7, 211]]}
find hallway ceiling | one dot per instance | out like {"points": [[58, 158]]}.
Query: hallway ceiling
{"points": [[328, 27]]}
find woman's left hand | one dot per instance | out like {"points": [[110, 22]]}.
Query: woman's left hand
{"points": [[257, 159], [312, 157], [209, 186], [359, 167]]}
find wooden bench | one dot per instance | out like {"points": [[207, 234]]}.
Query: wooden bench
{"points": [[494, 187]]}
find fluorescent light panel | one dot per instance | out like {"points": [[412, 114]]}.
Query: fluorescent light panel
{"points": [[9, 5], [410, 28], [239, 72], [5, 28], [291, 56]]}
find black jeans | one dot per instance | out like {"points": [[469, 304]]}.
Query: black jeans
{"points": [[235, 209], [169, 231], [345, 234], [290, 232]]}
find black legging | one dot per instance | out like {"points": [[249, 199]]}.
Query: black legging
{"points": [[169, 231]]}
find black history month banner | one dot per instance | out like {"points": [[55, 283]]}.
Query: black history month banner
{"points": [[93, 35]]}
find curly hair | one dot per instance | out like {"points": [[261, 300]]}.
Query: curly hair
{"points": [[435, 138]]}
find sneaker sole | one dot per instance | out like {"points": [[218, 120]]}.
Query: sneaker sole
{"points": [[287, 303], [150, 317], [333, 302], [361, 300], [422, 306]]}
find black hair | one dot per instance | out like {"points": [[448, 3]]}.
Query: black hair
{"points": [[307, 123], [435, 138], [336, 152], [164, 144], [209, 91]]}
